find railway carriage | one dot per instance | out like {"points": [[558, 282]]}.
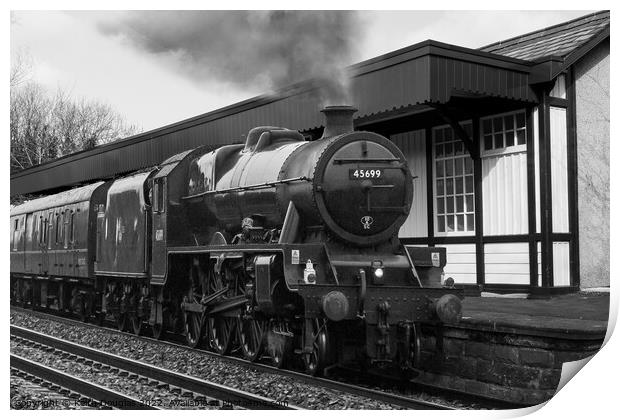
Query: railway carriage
{"points": [[280, 248]]}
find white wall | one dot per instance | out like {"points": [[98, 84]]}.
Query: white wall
{"points": [[559, 170], [507, 263], [413, 145], [592, 93], [504, 194], [461, 263]]}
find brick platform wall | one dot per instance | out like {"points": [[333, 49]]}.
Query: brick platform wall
{"points": [[507, 366]]}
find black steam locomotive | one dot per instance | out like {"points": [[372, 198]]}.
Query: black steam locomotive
{"points": [[281, 248]]}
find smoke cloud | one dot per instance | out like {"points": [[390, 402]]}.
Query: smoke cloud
{"points": [[259, 49]]}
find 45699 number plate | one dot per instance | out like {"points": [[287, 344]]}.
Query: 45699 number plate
{"points": [[366, 173]]}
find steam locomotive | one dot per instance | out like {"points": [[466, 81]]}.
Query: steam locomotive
{"points": [[281, 248]]}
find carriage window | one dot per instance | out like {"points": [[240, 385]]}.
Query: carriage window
{"points": [[29, 229], [48, 234], [454, 183], [72, 228], [15, 234], [67, 233], [58, 229]]}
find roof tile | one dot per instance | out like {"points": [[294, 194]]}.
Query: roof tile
{"points": [[558, 40]]}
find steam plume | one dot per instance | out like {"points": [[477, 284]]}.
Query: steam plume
{"points": [[264, 49]]}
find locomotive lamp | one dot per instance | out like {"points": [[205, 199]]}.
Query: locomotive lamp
{"points": [[309, 273], [377, 267]]}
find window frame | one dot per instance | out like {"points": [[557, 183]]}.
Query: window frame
{"points": [[465, 154], [59, 225], [72, 230], [49, 228], [67, 216], [15, 234], [158, 202], [515, 148]]}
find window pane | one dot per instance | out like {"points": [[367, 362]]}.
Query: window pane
{"points": [[449, 186], [520, 120], [499, 140], [449, 166], [469, 184], [448, 149], [440, 169], [459, 204], [458, 166], [441, 224], [469, 166], [486, 126], [510, 138], [458, 185], [508, 122], [438, 136], [460, 223], [521, 136], [469, 203], [440, 205], [488, 142], [458, 148], [450, 223], [470, 222], [497, 124], [439, 150], [448, 135], [449, 205], [440, 187]]}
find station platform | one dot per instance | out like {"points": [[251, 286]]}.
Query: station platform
{"points": [[581, 315], [513, 349]]}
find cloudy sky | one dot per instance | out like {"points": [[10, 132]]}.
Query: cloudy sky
{"points": [[159, 68]]}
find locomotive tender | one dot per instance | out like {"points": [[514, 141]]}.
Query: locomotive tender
{"points": [[282, 248]]}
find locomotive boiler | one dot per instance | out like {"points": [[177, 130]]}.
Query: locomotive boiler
{"points": [[282, 248]]}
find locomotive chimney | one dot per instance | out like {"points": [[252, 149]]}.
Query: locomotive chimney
{"points": [[338, 120]]}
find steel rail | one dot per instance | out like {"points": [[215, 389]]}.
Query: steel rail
{"points": [[406, 402], [93, 391], [199, 386]]}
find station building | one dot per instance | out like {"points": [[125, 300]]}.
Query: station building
{"points": [[508, 145]]}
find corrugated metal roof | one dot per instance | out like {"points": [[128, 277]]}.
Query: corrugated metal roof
{"points": [[64, 198], [427, 72], [558, 40]]}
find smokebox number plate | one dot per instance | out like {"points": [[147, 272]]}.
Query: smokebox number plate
{"points": [[366, 173]]}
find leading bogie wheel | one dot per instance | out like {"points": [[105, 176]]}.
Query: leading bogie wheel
{"points": [[317, 359]]}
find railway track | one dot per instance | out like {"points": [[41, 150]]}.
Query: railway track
{"points": [[388, 398], [186, 385], [62, 380]]}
